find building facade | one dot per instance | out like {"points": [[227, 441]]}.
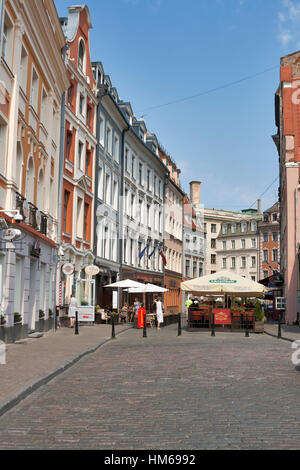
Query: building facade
{"points": [[111, 125], [287, 142], [174, 198], [269, 242], [33, 78], [77, 235]]}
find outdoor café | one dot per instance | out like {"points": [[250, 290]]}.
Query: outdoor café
{"points": [[224, 300]]}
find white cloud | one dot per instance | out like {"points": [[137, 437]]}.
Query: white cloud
{"points": [[288, 22]]}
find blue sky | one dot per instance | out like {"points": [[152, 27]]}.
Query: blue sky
{"points": [[159, 51]]}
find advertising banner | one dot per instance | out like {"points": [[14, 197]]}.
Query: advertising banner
{"points": [[222, 316]]}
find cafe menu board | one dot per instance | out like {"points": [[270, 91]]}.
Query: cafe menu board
{"points": [[222, 316]]}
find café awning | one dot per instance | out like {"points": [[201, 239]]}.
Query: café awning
{"points": [[224, 283]]}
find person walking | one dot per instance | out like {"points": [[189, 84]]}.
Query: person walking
{"points": [[141, 313], [159, 312], [73, 306], [136, 306]]}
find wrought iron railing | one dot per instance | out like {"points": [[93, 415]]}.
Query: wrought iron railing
{"points": [[32, 219]]}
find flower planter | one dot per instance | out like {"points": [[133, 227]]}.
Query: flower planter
{"points": [[17, 331]]}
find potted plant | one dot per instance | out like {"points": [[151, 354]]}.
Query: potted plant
{"points": [[50, 313], [17, 317], [259, 318], [41, 314], [2, 320], [98, 316]]}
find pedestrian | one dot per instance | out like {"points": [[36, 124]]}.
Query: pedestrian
{"points": [[73, 306], [140, 313], [159, 312], [136, 306]]}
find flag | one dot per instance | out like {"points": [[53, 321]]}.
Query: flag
{"points": [[144, 250], [162, 254], [152, 253]]}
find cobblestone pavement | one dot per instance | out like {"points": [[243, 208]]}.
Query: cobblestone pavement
{"points": [[166, 392]]}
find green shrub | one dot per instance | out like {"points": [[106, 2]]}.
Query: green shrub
{"points": [[258, 311]]}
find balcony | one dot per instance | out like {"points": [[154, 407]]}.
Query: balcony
{"points": [[32, 216]]}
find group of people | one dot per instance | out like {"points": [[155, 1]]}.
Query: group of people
{"points": [[127, 313]]}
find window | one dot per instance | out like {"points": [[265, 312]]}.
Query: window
{"points": [[253, 262], [159, 189], [107, 189], [266, 257], [233, 228], [85, 222], [109, 140], [266, 274], [212, 272], [68, 144], [140, 174], [275, 236], [70, 94], [126, 159], [266, 218], [243, 227], [243, 265], [44, 107], [274, 217], [195, 269], [79, 230], [233, 262], [266, 237], [87, 162], [275, 255], [102, 131], [3, 134], [88, 115], [148, 215], [224, 263], [34, 89], [253, 278], [148, 180], [213, 243], [224, 229], [80, 150], [81, 53], [23, 70], [81, 104], [7, 40], [187, 268], [115, 196], [243, 244], [213, 259], [233, 244], [133, 166], [224, 245], [116, 148], [253, 242], [253, 226], [155, 185], [66, 205], [213, 228], [100, 183]]}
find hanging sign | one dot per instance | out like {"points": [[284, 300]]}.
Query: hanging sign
{"points": [[92, 270], [68, 269]]}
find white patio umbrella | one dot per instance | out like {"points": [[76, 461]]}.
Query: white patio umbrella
{"points": [[147, 288], [126, 283], [224, 283]]}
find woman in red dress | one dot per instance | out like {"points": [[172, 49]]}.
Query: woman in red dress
{"points": [[141, 313]]}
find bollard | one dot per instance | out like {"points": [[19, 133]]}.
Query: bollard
{"points": [[113, 334], [279, 327], [179, 324], [76, 323], [213, 333], [145, 327], [247, 327]]}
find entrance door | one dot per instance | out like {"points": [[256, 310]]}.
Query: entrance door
{"points": [[32, 296]]}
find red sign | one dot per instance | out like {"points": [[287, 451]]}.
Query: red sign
{"points": [[222, 316]]}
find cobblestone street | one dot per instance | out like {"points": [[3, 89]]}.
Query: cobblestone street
{"points": [[165, 392]]}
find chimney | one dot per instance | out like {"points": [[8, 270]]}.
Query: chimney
{"points": [[195, 192], [259, 206]]}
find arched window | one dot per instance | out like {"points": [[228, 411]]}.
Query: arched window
{"points": [[41, 191], [19, 167], [30, 179], [81, 56]]}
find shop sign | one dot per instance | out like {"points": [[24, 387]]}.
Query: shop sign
{"points": [[68, 269], [92, 270], [86, 313], [222, 316]]}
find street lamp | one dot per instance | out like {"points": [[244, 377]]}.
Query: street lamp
{"points": [[17, 217]]}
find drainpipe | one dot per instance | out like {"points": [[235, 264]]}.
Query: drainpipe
{"points": [[60, 182], [1, 21], [121, 208]]}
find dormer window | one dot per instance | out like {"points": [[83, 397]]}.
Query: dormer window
{"points": [[81, 54], [141, 133], [154, 148]]}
